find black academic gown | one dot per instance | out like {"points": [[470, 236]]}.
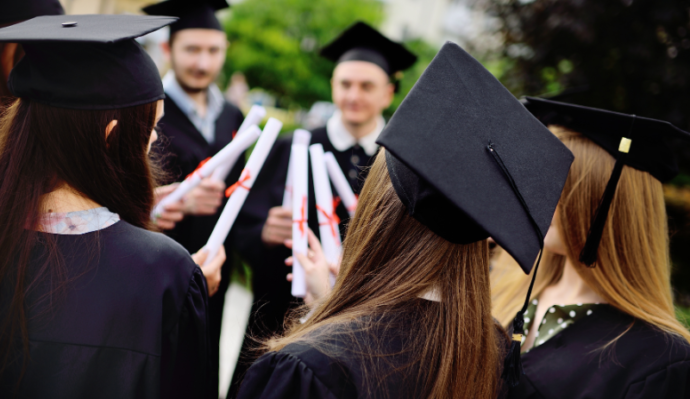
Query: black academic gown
{"points": [[186, 148], [130, 323], [272, 298], [643, 363], [337, 369]]}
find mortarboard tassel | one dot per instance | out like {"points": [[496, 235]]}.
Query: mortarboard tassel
{"points": [[588, 256], [512, 365]]}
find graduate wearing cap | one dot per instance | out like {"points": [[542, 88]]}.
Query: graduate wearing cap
{"points": [[198, 123], [601, 321], [410, 313], [363, 87], [93, 304], [12, 12]]}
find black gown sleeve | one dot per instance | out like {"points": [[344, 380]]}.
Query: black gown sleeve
{"points": [[185, 352], [672, 382], [278, 375]]}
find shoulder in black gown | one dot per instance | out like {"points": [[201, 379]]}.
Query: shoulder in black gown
{"points": [[643, 363], [131, 322]]}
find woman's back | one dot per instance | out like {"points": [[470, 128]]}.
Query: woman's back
{"points": [[132, 296]]}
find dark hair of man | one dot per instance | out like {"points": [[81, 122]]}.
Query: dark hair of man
{"points": [[43, 148]]}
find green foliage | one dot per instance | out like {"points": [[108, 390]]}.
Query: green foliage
{"points": [[683, 315], [275, 44]]}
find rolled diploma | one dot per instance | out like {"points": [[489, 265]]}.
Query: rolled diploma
{"points": [[233, 149], [300, 212], [300, 136], [236, 200], [328, 225], [254, 117], [340, 182]]}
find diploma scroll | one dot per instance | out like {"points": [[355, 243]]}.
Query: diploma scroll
{"points": [[300, 211], [240, 190], [325, 207], [341, 184], [233, 149], [303, 137], [254, 117]]}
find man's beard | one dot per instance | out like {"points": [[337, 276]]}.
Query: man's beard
{"points": [[190, 89]]}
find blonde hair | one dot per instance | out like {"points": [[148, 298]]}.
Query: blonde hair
{"points": [[389, 259], [632, 271]]}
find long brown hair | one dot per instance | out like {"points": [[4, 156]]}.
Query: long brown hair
{"points": [[389, 259], [42, 148], [633, 268]]}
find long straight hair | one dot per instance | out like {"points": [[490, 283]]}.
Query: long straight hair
{"points": [[389, 259], [633, 271], [43, 148]]}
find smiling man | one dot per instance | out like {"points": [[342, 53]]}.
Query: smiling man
{"points": [[362, 88], [198, 123]]}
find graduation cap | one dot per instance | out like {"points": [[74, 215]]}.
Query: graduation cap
{"points": [[469, 161], [85, 61], [361, 42], [642, 143], [20, 10], [192, 14]]}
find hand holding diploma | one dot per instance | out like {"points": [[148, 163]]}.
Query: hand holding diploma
{"points": [[206, 168], [211, 269], [172, 213], [238, 192], [254, 117], [340, 182]]}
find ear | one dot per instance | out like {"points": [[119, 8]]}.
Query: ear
{"points": [[165, 47], [110, 128], [390, 93]]}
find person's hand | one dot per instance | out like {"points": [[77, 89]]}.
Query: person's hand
{"points": [[212, 270], [278, 226], [316, 269], [172, 213], [205, 198]]}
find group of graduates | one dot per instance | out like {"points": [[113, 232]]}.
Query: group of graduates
{"points": [[100, 299]]}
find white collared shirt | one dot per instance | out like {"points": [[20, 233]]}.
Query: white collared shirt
{"points": [[342, 139], [206, 125]]}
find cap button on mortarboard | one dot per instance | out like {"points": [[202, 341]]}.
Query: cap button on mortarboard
{"points": [[69, 24]]}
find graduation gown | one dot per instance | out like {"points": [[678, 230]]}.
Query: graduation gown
{"points": [[300, 370], [184, 148], [131, 322], [272, 298], [643, 363]]}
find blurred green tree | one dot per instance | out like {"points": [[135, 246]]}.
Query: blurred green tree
{"points": [[275, 44]]}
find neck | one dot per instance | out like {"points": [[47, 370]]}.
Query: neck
{"points": [[65, 199], [199, 97], [572, 288], [360, 130]]}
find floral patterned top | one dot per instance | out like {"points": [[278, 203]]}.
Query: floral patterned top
{"points": [[556, 319], [80, 222]]}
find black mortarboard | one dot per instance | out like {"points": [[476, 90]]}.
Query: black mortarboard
{"points": [[642, 143], [361, 42], [20, 10], [193, 14], [85, 61], [469, 161]]}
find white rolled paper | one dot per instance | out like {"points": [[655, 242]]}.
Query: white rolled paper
{"points": [[300, 212], [347, 196], [328, 220], [242, 187], [303, 137], [254, 117], [233, 149]]}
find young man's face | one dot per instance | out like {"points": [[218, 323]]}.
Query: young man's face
{"points": [[197, 56], [361, 90]]}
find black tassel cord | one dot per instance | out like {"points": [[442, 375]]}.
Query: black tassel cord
{"points": [[589, 253], [512, 366]]}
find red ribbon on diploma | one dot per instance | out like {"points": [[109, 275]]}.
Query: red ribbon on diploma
{"points": [[303, 219], [243, 178], [202, 163], [333, 219]]}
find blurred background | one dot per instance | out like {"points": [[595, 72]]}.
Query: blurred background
{"points": [[631, 56]]}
